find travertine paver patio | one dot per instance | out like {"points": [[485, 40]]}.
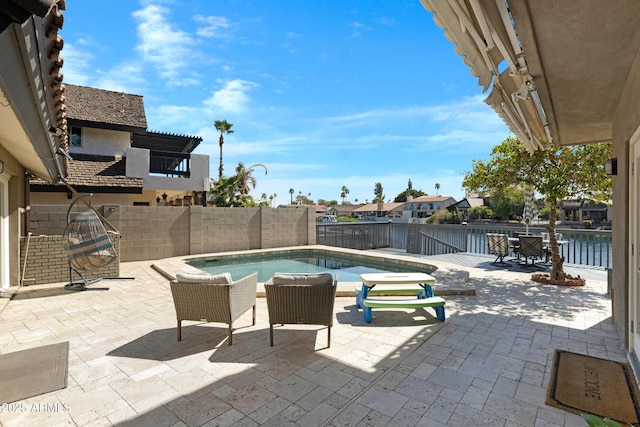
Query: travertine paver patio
{"points": [[488, 364]]}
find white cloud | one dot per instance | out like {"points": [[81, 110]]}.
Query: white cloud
{"points": [[168, 48], [77, 65], [232, 97], [357, 28], [213, 27]]}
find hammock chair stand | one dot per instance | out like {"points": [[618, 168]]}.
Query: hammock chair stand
{"points": [[88, 247]]}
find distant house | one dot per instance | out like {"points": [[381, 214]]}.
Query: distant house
{"points": [[425, 206], [462, 207], [580, 210], [118, 160], [344, 210], [372, 211]]}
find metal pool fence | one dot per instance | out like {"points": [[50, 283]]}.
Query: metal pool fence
{"points": [[583, 247]]}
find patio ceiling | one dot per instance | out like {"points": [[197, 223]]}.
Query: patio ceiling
{"points": [[556, 67]]}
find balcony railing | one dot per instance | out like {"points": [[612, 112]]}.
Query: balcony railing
{"points": [[583, 247], [169, 164]]}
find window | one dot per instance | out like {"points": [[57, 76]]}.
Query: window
{"points": [[76, 136]]}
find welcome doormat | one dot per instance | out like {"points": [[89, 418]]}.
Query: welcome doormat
{"points": [[585, 384], [32, 372]]}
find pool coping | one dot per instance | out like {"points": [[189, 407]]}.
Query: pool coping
{"points": [[449, 282]]}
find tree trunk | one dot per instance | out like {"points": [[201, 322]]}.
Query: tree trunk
{"points": [[220, 168], [557, 272]]}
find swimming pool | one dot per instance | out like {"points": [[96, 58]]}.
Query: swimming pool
{"points": [[347, 266]]}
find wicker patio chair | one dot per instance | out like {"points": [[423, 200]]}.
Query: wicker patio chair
{"points": [[213, 298], [305, 299]]}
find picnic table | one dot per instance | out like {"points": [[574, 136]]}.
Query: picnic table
{"points": [[418, 284]]}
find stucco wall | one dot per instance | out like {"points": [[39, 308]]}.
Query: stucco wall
{"points": [[14, 174], [103, 142], [626, 121]]}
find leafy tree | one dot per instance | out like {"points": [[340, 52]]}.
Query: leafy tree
{"points": [[443, 217], [233, 191], [223, 127], [508, 202], [379, 193], [409, 192], [437, 188], [291, 191], [555, 173], [301, 199], [481, 212]]}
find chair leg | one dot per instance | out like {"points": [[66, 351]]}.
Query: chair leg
{"points": [[254, 314], [271, 334], [329, 337], [230, 333], [179, 329]]}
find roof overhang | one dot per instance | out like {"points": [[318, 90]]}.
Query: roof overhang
{"points": [[556, 68], [31, 100]]}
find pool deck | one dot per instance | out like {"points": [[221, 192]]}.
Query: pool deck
{"points": [[488, 364]]}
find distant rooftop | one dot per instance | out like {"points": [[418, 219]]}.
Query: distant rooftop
{"points": [[87, 105]]}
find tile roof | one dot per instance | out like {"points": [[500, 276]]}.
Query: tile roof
{"points": [[98, 171], [104, 106], [430, 199], [370, 207]]}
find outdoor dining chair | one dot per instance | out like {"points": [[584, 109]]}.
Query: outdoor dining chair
{"points": [[498, 246], [531, 248]]}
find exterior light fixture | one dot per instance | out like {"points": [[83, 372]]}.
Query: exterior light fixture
{"points": [[611, 166], [164, 196], [56, 131]]}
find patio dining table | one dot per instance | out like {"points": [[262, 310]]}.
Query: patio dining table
{"points": [[513, 241]]}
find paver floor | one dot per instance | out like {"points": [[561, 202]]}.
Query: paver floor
{"points": [[487, 364]]}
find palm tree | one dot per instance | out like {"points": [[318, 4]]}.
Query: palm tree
{"points": [[344, 193], [244, 176], [223, 127], [437, 187], [291, 191]]}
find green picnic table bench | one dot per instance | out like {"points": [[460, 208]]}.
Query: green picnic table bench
{"points": [[416, 284]]}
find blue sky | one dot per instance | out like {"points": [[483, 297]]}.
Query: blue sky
{"points": [[325, 93]]}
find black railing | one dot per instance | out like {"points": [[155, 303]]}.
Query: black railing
{"points": [[169, 163], [582, 247]]}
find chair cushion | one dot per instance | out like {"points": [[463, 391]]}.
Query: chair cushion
{"points": [[211, 279], [302, 279]]}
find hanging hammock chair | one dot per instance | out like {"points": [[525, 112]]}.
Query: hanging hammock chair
{"points": [[87, 244]]}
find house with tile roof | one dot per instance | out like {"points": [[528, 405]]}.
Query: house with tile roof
{"points": [[119, 161], [31, 103], [372, 211], [425, 206]]}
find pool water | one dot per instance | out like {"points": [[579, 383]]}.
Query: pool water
{"points": [[348, 269]]}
